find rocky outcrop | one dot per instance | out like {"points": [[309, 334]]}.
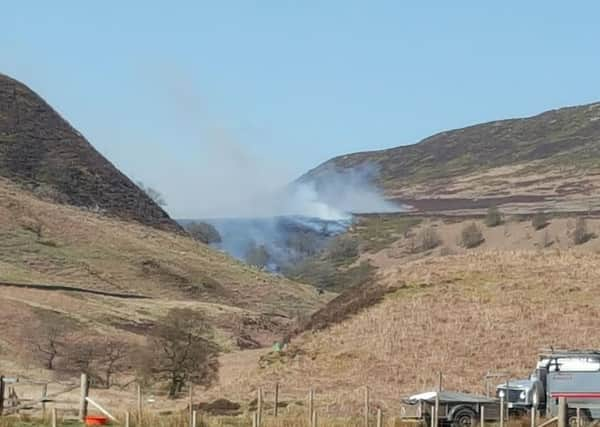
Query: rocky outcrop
{"points": [[43, 152]]}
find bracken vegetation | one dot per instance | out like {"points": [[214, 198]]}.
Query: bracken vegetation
{"points": [[427, 239], [471, 236], [493, 217]]}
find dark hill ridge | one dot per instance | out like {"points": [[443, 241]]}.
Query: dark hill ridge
{"points": [[43, 152], [566, 138], [567, 133]]}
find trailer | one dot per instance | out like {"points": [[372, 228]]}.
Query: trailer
{"points": [[454, 408]]}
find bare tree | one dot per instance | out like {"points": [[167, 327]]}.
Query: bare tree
{"points": [[153, 193], [114, 359], [180, 352], [47, 338], [48, 345]]}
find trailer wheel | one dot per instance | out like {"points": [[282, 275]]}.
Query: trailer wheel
{"points": [[585, 419], [464, 418]]}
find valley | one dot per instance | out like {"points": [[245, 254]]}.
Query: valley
{"points": [[436, 257]]}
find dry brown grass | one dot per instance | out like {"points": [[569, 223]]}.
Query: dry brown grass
{"points": [[463, 315], [45, 243]]}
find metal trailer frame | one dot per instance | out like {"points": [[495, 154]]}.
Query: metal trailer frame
{"points": [[452, 405]]}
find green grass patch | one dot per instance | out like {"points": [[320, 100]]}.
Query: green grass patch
{"points": [[376, 232]]}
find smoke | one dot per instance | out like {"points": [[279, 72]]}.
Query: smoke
{"points": [[238, 179], [220, 170], [299, 220], [338, 193], [333, 195]]}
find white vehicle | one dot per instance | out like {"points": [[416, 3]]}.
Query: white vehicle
{"points": [[573, 374]]}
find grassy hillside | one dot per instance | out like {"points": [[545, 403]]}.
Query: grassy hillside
{"points": [[462, 314], [49, 244], [551, 158]]}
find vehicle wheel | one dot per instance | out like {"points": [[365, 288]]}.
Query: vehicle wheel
{"points": [[464, 418], [586, 419]]}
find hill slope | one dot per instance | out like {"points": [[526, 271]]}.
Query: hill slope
{"points": [[551, 158], [84, 265], [80, 242], [41, 151], [463, 315]]}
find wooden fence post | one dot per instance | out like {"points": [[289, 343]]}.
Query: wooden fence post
{"points": [[562, 412], [314, 419], [255, 419], [127, 419], [502, 410], [379, 418], [367, 406], [139, 404], [191, 405], [440, 381], [276, 399], [311, 397], [1, 394], [83, 404], [44, 394], [194, 418], [482, 416], [437, 409], [54, 417], [259, 406]]}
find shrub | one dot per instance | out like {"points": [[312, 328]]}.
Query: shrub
{"points": [[581, 234], [539, 221], [471, 236], [493, 217], [257, 255], [203, 232], [343, 248], [428, 239]]}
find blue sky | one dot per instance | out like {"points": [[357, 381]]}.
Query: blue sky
{"points": [[212, 101]]}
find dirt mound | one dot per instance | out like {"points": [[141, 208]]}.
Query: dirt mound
{"points": [[44, 153]]}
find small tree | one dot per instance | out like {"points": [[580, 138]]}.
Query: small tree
{"points": [[257, 255], [48, 345], [48, 338], [581, 234], [539, 221], [428, 239], [493, 217], [179, 351], [203, 232], [471, 236], [112, 358], [153, 193]]}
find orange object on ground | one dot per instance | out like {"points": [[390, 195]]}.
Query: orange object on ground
{"points": [[95, 420]]}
